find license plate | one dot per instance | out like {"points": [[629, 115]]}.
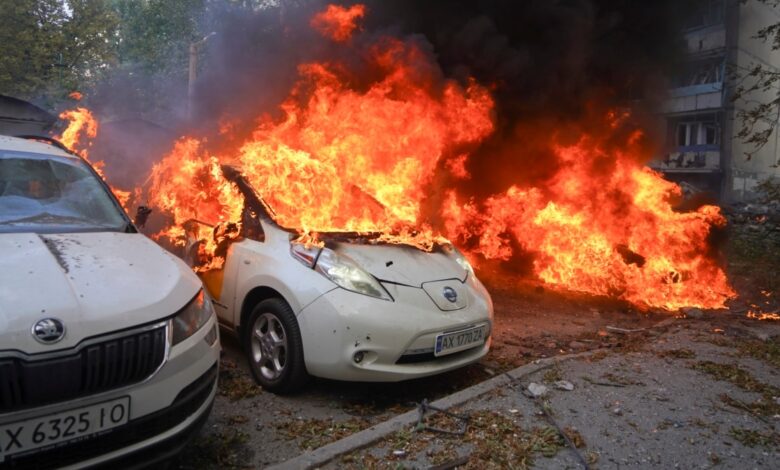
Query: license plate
{"points": [[448, 343], [77, 424]]}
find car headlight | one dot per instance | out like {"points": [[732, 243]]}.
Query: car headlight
{"points": [[340, 269], [191, 318], [461, 259]]}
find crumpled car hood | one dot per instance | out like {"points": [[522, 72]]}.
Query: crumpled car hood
{"points": [[403, 264], [95, 283]]}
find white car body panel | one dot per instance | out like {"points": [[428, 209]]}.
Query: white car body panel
{"points": [[108, 289], [336, 323], [94, 282]]}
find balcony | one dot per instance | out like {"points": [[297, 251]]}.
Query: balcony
{"points": [[686, 99], [706, 39], [690, 159]]}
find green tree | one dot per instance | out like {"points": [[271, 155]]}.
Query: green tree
{"points": [[153, 40], [49, 48], [155, 34]]}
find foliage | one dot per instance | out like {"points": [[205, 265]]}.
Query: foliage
{"points": [[155, 34], [769, 190], [49, 48], [758, 121]]}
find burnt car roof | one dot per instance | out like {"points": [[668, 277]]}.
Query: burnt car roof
{"points": [[258, 204]]}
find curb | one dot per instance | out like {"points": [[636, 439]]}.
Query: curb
{"points": [[321, 456]]}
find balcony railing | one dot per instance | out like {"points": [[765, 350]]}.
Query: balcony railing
{"points": [[691, 159]]}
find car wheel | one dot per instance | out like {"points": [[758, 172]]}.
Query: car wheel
{"points": [[272, 341]]}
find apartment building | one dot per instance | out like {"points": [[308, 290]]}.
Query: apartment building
{"points": [[702, 152]]}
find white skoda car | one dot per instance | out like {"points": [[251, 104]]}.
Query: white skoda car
{"points": [[354, 310], [108, 344]]}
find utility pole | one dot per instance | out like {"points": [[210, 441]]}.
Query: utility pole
{"points": [[194, 46]]}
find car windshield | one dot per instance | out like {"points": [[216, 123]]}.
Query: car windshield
{"points": [[47, 193]]}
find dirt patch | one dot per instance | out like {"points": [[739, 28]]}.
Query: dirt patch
{"points": [[234, 382], [314, 433], [491, 441], [225, 448], [754, 438]]}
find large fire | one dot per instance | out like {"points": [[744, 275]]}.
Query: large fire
{"points": [[77, 136], [339, 159], [611, 233], [352, 154]]}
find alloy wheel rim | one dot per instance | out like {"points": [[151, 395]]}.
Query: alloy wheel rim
{"points": [[269, 346]]}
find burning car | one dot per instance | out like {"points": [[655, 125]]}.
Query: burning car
{"points": [[108, 344], [346, 307]]}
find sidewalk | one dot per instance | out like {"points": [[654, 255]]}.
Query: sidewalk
{"points": [[697, 396]]}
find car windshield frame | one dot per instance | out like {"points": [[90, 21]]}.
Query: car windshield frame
{"points": [[79, 162]]}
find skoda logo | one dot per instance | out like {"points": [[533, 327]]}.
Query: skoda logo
{"points": [[450, 294], [48, 330]]}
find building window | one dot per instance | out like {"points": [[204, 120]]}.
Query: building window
{"points": [[711, 134], [696, 130], [705, 13], [699, 73]]}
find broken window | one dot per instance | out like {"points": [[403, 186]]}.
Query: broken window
{"points": [[46, 193], [696, 130], [705, 13], [700, 72]]}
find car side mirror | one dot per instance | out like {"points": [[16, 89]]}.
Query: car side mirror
{"points": [[141, 215]]}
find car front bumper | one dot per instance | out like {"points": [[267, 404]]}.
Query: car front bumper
{"points": [[396, 338], [165, 411]]}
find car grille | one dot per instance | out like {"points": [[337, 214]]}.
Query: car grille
{"points": [[98, 367], [186, 403]]}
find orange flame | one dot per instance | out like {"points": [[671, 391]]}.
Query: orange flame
{"points": [[325, 167], [337, 22], [344, 157], [82, 128], [75, 95], [612, 233], [188, 184], [763, 316]]}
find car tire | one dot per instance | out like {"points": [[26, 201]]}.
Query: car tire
{"points": [[273, 345]]}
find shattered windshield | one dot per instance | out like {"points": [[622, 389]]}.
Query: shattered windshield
{"points": [[46, 193]]}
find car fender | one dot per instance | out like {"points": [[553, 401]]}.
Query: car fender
{"points": [[260, 265]]}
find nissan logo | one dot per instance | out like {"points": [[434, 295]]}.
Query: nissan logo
{"points": [[48, 330], [450, 294]]}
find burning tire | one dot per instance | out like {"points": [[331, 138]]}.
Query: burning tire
{"points": [[274, 348]]}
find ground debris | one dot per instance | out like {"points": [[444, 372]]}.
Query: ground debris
{"points": [[682, 353], [736, 375], [314, 433], [494, 441], [754, 438], [768, 351], [221, 449], [564, 385], [235, 384], [761, 408], [692, 312], [536, 390], [624, 331]]}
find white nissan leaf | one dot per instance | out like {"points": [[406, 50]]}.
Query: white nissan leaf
{"points": [[108, 344], [354, 309]]}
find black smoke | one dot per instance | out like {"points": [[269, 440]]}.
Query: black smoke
{"points": [[553, 66]]}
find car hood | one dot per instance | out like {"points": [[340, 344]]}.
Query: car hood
{"points": [[95, 283], [403, 264]]}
